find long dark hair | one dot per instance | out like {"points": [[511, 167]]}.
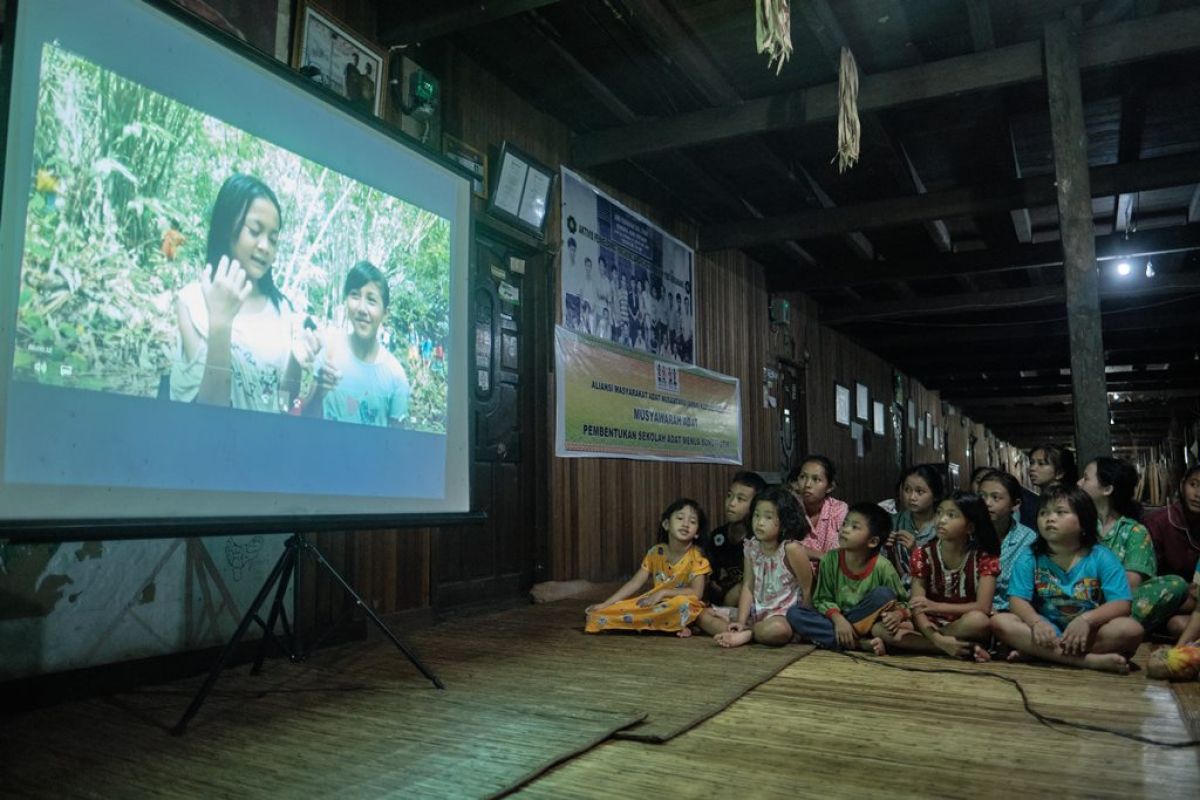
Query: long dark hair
{"points": [[1080, 503], [1123, 478], [793, 524], [1062, 459], [701, 518], [932, 478], [228, 217], [975, 510]]}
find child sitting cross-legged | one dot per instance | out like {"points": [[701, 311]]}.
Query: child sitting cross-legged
{"points": [[854, 584], [678, 569], [1068, 595], [953, 580], [775, 577]]}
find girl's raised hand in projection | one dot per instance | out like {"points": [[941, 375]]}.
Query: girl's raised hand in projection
{"points": [[225, 289]]}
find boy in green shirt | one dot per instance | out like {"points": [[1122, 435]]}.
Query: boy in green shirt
{"points": [[854, 585]]}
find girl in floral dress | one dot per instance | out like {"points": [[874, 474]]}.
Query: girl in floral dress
{"points": [[775, 576], [677, 568]]}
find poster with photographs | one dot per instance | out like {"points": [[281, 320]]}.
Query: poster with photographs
{"points": [[339, 59], [624, 279]]}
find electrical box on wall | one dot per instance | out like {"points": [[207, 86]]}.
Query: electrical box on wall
{"points": [[781, 311], [417, 97]]}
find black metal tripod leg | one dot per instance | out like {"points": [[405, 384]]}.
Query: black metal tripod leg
{"points": [[403, 648], [251, 613], [292, 556]]}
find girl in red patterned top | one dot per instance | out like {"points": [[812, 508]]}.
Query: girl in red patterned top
{"points": [[954, 578]]}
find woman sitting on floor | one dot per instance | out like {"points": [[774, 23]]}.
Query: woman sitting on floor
{"points": [[1175, 531]]}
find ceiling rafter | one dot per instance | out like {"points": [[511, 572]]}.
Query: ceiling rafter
{"points": [[1123, 42], [1157, 173]]}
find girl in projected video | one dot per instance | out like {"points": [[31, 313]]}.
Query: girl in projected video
{"points": [[235, 326]]}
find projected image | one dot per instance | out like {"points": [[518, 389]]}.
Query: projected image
{"points": [[170, 255]]}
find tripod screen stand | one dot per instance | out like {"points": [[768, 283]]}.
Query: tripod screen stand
{"points": [[287, 569]]}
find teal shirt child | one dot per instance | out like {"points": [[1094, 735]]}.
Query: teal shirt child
{"points": [[1060, 596], [368, 393], [1015, 542]]}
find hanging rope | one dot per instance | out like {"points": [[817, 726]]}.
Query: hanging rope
{"points": [[773, 31], [849, 131]]}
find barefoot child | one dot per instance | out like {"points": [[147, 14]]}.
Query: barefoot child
{"points": [[1068, 595], [775, 577], [854, 584], [724, 546], [1002, 494], [953, 579], [677, 567]]}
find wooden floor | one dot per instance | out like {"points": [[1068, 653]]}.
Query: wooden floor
{"points": [[831, 727], [527, 690]]}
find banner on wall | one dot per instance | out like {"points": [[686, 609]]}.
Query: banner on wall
{"points": [[624, 279], [613, 402]]}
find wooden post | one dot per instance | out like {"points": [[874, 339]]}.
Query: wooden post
{"points": [[1092, 434]]}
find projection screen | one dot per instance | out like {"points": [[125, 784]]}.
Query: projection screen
{"points": [[222, 296]]}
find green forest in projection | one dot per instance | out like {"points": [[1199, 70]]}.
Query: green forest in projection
{"points": [[121, 191]]}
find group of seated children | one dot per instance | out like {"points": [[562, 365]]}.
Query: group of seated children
{"points": [[958, 574]]}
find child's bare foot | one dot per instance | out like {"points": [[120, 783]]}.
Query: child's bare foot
{"points": [[952, 646], [1017, 657], [874, 645], [684, 633], [734, 638], [981, 655], [1107, 662]]}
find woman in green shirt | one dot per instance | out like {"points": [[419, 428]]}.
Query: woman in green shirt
{"points": [[1111, 483]]}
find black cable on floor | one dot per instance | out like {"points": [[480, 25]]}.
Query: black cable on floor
{"points": [[1047, 720]]}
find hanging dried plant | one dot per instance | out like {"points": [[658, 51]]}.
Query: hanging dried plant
{"points": [[773, 31], [849, 131]]}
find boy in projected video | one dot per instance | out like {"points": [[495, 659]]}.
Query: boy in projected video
{"points": [[235, 327], [356, 378]]}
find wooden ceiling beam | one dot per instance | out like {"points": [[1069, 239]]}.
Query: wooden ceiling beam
{"points": [[463, 17], [1006, 66], [1004, 298], [1155, 173], [1066, 399], [1024, 257], [891, 344]]}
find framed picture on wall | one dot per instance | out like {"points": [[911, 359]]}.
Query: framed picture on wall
{"points": [[920, 430], [879, 426], [862, 406], [337, 58], [841, 405], [912, 415], [929, 426]]}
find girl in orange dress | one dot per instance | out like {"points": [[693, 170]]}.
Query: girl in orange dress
{"points": [[677, 569]]}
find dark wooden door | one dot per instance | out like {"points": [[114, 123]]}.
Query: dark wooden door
{"points": [[497, 560]]}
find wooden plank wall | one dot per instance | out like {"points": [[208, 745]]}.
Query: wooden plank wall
{"points": [[604, 513], [832, 358]]}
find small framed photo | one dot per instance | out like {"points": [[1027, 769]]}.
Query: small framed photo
{"points": [[912, 415], [929, 426], [879, 426], [921, 430], [473, 160], [339, 59], [841, 405], [862, 406]]}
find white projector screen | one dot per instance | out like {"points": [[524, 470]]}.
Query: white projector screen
{"points": [[222, 296]]}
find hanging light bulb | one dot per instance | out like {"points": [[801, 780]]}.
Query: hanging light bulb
{"points": [[1124, 269], [1149, 269]]}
